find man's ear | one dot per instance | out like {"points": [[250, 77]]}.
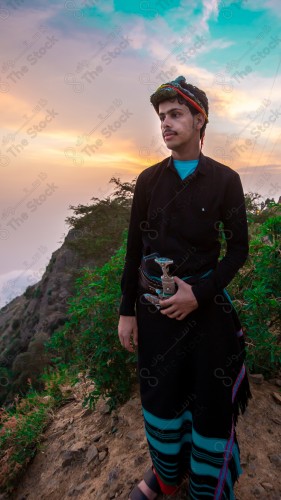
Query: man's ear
{"points": [[199, 121]]}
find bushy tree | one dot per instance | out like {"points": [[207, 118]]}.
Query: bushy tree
{"points": [[89, 340], [257, 290], [98, 228]]}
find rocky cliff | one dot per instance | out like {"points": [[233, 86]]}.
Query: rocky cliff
{"points": [[38, 311]]}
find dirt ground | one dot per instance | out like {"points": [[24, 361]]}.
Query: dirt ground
{"points": [[95, 455]]}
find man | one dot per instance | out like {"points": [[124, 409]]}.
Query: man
{"points": [[191, 369]]}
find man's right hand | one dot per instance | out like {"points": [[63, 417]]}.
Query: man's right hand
{"points": [[127, 327]]}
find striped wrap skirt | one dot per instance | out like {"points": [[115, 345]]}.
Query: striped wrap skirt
{"points": [[193, 385]]}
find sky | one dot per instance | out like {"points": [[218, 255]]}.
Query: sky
{"points": [[75, 82]]}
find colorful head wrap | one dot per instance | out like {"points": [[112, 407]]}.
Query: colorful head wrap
{"points": [[179, 86]]}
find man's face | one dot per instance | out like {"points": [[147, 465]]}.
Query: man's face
{"points": [[179, 127]]}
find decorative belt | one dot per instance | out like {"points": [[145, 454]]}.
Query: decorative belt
{"points": [[153, 283]]}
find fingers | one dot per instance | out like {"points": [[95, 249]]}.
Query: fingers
{"points": [[135, 335], [169, 310], [165, 302], [182, 316], [126, 342], [174, 313], [127, 330]]}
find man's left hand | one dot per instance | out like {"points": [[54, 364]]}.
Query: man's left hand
{"points": [[182, 303]]}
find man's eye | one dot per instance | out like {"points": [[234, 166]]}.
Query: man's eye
{"points": [[175, 115]]}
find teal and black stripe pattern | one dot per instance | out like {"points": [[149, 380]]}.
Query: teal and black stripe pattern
{"points": [[177, 449]]}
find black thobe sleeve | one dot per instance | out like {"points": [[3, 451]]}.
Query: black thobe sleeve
{"points": [[236, 233], [129, 280]]}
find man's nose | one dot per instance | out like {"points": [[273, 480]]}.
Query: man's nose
{"points": [[166, 122]]}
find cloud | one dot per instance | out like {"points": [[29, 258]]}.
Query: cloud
{"points": [[210, 10], [15, 282], [263, 5]]}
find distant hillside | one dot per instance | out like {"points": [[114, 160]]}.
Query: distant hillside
{"points": [[30, 319]]}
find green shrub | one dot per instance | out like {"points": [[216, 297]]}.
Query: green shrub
{"points": [[89, 340], [22, 427], [257, 290], [20, 432]]}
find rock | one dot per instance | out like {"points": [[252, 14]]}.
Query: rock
{"points": [[139, 460], [74, 453], [96, 438], [275, 381], [71, 420], [113, 475], [71, 436], [143, 444], [243, 463], [86, 413], [276, 420], [46, 399], [67, 458], [78, 489], [60, 425], [66, 390], [258, 491], [105, 409], [134, 403], [132, 435], [115, 490], [78, 447], [114, 419], [267, 486], [102, 455], [102, 447], [275, 459], [256, 378], [277, 397], [91, 454]]}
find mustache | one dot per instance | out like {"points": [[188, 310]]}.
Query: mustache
{"points": [[168, 131]]}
